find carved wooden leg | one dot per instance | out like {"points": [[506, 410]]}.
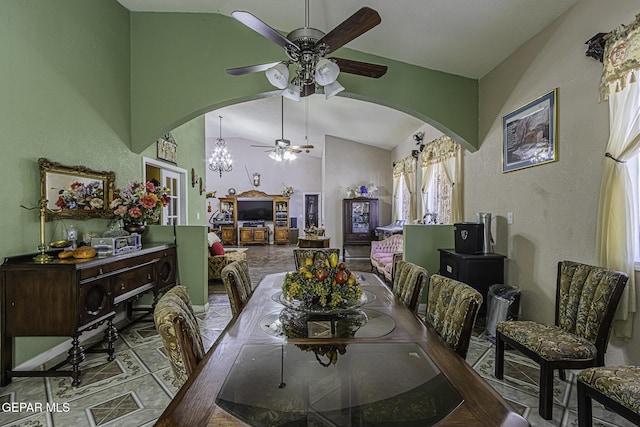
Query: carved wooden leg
{"points": [[110, 336], [76, 356]]}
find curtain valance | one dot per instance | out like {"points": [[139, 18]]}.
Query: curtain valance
{"points": [[621, 58], [439, 149]]}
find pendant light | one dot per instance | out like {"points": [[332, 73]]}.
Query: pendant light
{"points": [[220, 159]]}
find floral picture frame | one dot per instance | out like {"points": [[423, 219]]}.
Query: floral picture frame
{"points": [[529, 134]]}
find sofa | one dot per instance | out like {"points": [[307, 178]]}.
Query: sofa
{"points": [[382, 255], [220, 257]]}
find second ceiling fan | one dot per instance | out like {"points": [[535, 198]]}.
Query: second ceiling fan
{"points": [[283, 150], [306, 48]]}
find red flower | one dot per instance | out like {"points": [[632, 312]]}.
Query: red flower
{"points": [[135, 212], [150, 187]]}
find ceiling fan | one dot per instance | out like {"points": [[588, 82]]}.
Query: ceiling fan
{"points": [[283, 150], [306, 48]]}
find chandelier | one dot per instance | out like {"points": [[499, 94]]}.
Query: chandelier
{"points": [[220, 159]]}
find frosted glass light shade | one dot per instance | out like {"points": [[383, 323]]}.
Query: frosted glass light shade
{"points": [[332, 89], [278, 75], [292, 92], [326, 72]]}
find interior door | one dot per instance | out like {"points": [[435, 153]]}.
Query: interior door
{"points": [[171, 213]]}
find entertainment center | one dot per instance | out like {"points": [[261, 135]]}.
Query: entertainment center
{"points": [[247, 214]]}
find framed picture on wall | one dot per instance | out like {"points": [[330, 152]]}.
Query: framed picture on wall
{"points": [[167, 149], [529, 134]]}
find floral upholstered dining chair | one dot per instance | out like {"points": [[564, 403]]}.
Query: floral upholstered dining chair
{"points": [[616, 387], [452, 307], [236, 280], [408, 282], [178, 328], [586, 299]]}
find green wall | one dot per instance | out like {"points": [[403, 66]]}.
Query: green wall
{"points": [[178, 72], [88, 83]]}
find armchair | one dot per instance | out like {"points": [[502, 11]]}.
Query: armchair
{"points": [[586, 299]]}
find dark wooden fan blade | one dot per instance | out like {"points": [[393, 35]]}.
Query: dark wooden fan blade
{"points": [[352, 27], [293, 150], [250, 69], [301, 146], [360, 68], [263, 29], [307, 90]]}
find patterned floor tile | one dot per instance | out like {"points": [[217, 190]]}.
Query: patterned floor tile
{"points": [[98, 374], [134, 389], [128, 403]]}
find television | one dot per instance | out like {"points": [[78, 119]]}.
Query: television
{"points": [[255, 210]]}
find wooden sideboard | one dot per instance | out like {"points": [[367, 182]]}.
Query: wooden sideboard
{"points": [[69, 296]]}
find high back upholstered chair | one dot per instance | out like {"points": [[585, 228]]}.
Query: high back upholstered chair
{"points": [[178, 328], [616, 387], [586, 299], [236, 280], [301, 255], [408, 282], [452, 307]]}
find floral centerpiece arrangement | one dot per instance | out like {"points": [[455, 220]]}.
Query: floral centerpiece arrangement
{"points": [[140, 203], [325, 283], [82, 196]]}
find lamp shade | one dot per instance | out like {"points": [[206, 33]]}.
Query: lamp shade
{"points": [[332, 89], [278, 75], [326, 72], [292, 92]]}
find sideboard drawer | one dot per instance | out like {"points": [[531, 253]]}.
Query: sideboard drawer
{"points": [[130, 283], [94, 304]]}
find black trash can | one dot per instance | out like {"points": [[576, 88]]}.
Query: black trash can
{"points": [[503, 303]]}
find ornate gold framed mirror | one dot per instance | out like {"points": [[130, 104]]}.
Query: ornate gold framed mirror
{"points": [[75, 191]]}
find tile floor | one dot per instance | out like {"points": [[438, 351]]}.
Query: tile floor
{"points": [[134, 389]]}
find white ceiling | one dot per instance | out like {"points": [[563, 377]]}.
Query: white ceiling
{"points": [[463, 37]]}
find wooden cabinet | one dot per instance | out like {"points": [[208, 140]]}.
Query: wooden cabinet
{"points": [[67, 297], [281, 220], [478, 271], [359, 221], [254, 235], [229, 222], [228, 235]]}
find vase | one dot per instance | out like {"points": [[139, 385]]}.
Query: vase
{"points": [[135, 228]]}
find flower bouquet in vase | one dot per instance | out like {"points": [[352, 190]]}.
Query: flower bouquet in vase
{"points": [[139, 204]]}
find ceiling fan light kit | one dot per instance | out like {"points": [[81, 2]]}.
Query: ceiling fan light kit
{"points": [[278, 75], [306, 48]]}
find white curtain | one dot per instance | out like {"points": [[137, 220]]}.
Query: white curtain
{"points": [[442, 180], [396, 209], [617, 234], [409, 173]]}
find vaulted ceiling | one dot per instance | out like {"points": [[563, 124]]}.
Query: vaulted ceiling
{"points": [[463, 37]]}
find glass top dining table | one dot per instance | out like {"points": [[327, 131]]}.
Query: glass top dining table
{"points": [[373, 365]]}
